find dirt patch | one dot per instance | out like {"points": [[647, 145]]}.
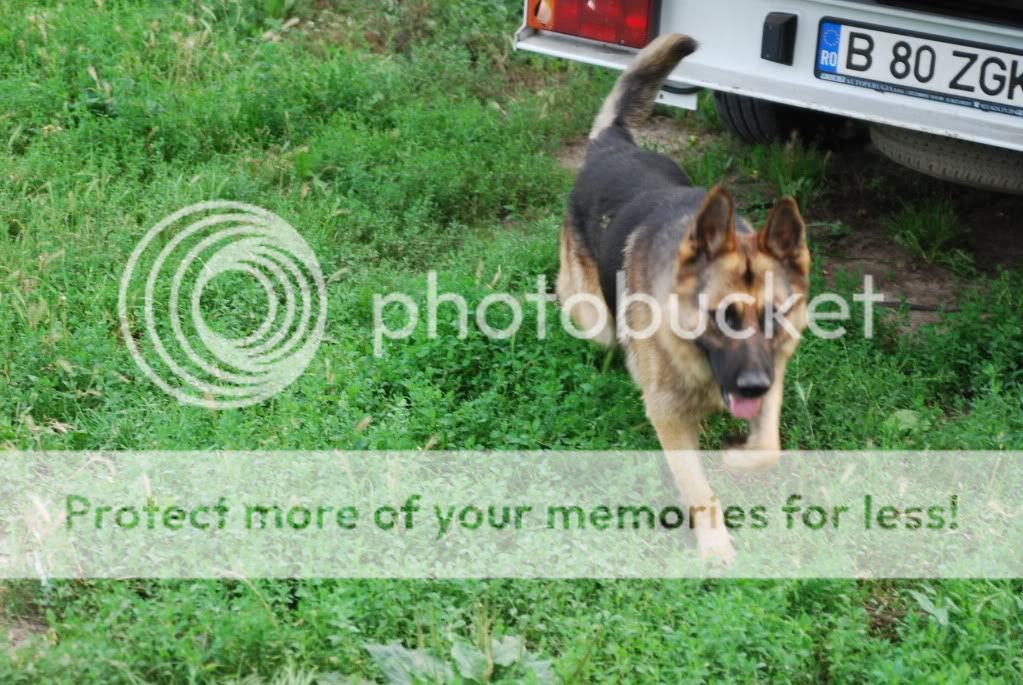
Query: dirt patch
{"points": [[17, 633], [896, 274], [996, 228], [573, 154], [866, 188], [663, 134]]}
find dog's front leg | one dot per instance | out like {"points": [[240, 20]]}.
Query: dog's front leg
{"points": [[680, 440]]}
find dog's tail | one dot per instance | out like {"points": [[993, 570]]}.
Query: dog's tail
{"points": [[633, 96]]}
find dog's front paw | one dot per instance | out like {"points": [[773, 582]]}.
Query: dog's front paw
{"points": [[715, 544], [751, 459]]}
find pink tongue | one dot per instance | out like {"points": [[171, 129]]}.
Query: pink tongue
{"points": [[742, 407]]}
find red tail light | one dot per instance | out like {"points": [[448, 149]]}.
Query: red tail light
{"points": [[625, 22]]}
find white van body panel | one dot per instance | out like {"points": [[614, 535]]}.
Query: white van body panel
{"points": [[730, 34]]}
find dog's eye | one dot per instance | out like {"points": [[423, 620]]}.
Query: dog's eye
{"points": [[730, 316]]}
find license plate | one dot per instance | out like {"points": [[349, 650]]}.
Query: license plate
{"points": [[985, 77]]}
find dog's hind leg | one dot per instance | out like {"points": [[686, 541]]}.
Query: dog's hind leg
{"points": [[579, 291]]}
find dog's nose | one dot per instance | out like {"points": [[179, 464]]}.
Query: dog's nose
{"points": [[753, 383]]}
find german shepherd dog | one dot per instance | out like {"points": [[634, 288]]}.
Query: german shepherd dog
{"points": [[639, 237]]}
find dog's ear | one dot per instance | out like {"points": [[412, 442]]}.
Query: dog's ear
{"points": [[784, 236], [713, 232]]}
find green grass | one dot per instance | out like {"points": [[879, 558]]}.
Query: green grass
{"points": [[794, 168], [398, 139], [933, 233]]}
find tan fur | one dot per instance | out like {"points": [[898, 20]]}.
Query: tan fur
{"points": [[578, 276], [680, 260], [677, 384]]}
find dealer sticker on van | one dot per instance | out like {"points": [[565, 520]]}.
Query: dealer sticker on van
{"points": [[985, 77]]}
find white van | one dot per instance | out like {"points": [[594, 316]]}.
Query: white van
{"points": [[940, 82]]}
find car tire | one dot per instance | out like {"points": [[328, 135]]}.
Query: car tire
{"points": [[758, 121], [950, 159]]}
